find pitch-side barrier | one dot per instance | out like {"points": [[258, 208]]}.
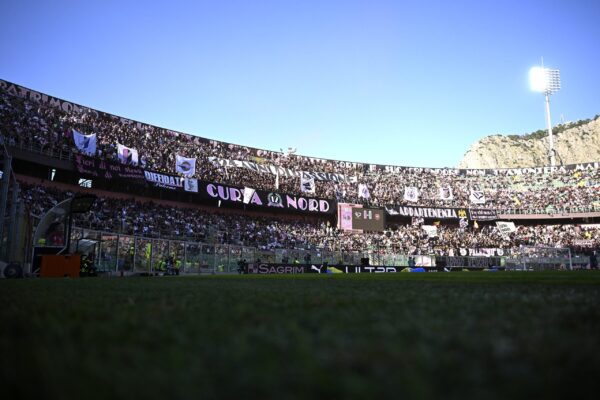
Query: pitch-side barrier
{"points": [[265, 269]]}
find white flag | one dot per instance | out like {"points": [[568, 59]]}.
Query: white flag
{"points": [[248, 193], [190, 185], [446, 193], [417, 221], [431, 230], [506, 228], [411, 193], [185, 166], [307, 185], [477, 197], [127, 155], [391, 210], [85, 143], [363, 191]]}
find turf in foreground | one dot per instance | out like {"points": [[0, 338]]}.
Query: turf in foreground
{"points": [[457, 335]]}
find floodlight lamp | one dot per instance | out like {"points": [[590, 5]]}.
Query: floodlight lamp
{"points": [[538, 79], [544, 80]]}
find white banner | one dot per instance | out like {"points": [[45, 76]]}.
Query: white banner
{"points": [[127, 155], [446, 193], [506, 228], [477, 197], [190, 185], [363, 191], [248, 192], [411, 193], [431, 230], [85, 143], [307, 185], [185, 166]]}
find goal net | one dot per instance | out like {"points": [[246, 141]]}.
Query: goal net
{"points": [[530, 258]]}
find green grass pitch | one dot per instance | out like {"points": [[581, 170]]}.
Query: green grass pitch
{"points": [[462, 335]]}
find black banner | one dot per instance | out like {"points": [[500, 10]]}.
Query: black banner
{"points": [[235, 195], [482, 214], [427, 212], [164, 181], [262, 198], [100, 168]]}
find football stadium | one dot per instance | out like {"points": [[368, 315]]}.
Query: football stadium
{"points": [[376, 273], [147, 261]]}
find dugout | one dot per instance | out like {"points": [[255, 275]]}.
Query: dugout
{"points": [[52, 254]]}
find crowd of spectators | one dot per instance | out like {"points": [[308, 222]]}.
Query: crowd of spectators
{"points": [[27, 123], [152, 220]]}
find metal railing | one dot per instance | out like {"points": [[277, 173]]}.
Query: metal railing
{"points": [[62, 153], [115, 252]]}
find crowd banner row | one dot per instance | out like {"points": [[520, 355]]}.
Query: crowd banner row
{"points": [[545, 170], [67, 106], [280, 171], [223, 194], [441, 213], [105, 169]]}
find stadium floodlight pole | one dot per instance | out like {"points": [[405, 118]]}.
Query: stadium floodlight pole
{"points": [[546, 81]]}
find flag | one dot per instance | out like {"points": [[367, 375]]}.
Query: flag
{"points": [[190, 185], [431, 230], [307, 185], [248, 193], [417, 220], [85, 143], [277, 180], [411, 193], [446, 193], [289, 151], [363, 191], [477, 196], [506, 228], [127, 155], [463, 223], [185, 166], [392, 211]]}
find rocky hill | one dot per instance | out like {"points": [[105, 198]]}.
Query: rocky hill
{"points": [[574, 142]]}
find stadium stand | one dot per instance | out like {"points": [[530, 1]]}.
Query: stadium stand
{"points": [[192, 189]]}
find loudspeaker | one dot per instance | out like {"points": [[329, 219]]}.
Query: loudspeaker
{"points": [[364, 261]]}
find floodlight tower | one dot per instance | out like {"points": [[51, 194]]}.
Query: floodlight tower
{"points": [[546, 81]]}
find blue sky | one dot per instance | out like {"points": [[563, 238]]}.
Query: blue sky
{"points": [[390, 82]]}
